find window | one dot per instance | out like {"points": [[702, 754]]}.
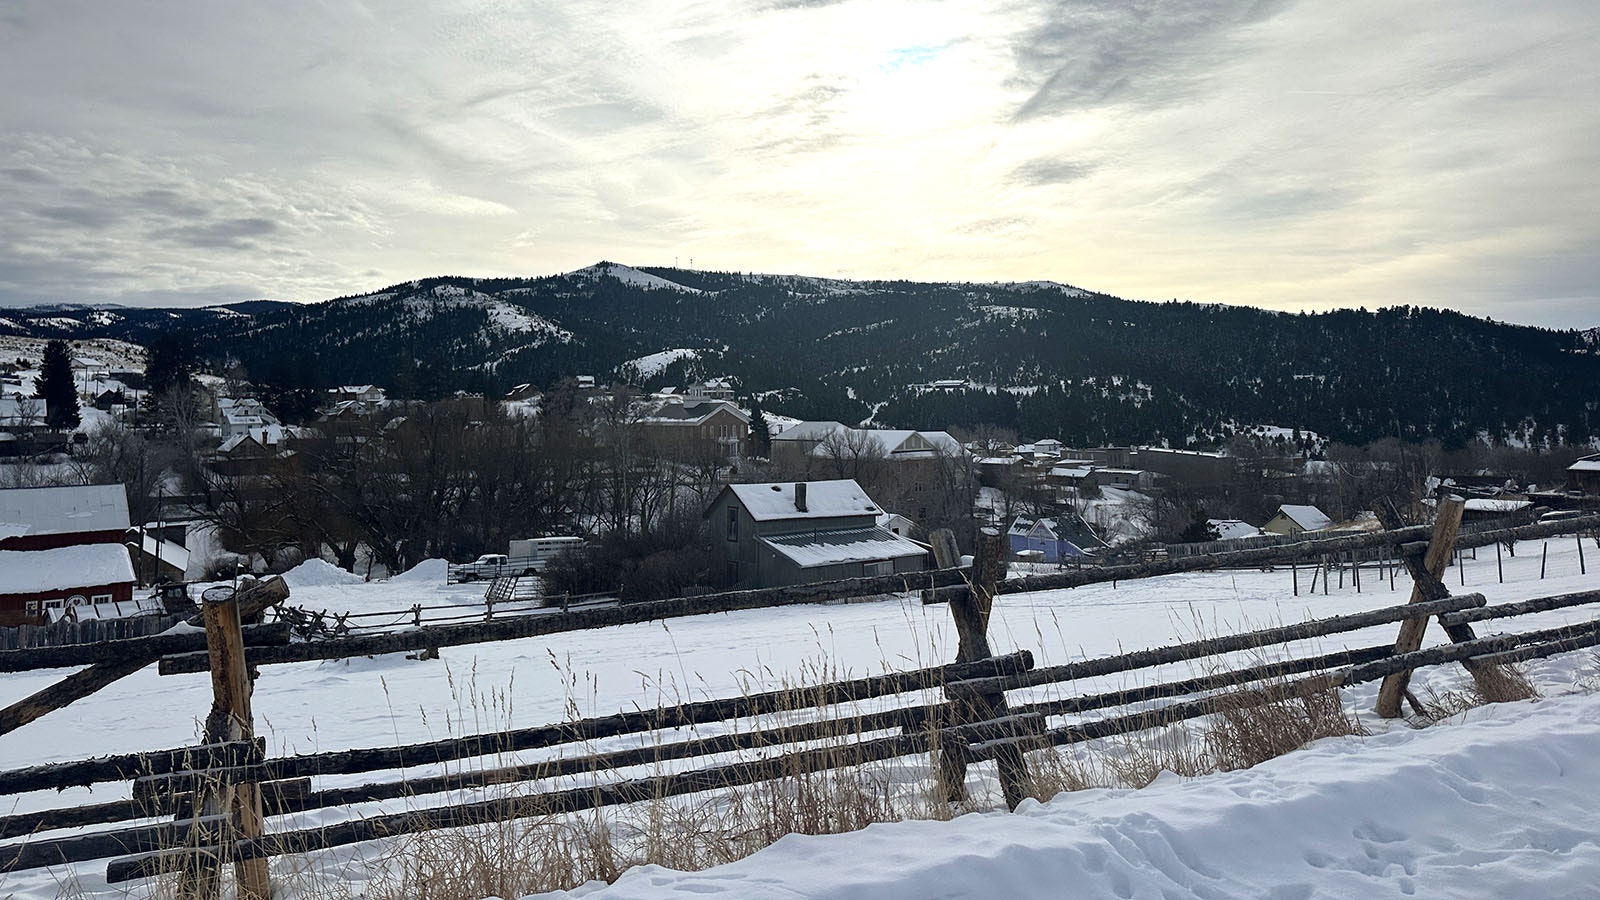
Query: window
{"points": [[733, 572], [101, 598], [33, 607], [882, 567], [733, 523]]}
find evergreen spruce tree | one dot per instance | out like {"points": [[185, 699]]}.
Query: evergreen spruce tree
{"points": [[55, 387], [760, 434]]}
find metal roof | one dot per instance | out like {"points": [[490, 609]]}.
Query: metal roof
{"points": [[63, 510], [810, 549]]}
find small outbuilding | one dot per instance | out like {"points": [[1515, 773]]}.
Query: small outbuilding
{"points": [[1297, 520], [40, 586]]}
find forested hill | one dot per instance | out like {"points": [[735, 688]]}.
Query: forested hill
{"points": [[1045, 359]]}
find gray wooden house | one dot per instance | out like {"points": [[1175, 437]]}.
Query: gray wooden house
{"points": [[770, 535]]}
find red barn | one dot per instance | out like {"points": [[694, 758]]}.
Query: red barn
{"points": [[38, 586], [61, 547]]}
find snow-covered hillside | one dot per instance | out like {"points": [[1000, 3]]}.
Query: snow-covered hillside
{"points": [[631, 276], [652, 364], [503, 317]]}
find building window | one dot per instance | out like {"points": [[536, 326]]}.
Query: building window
{"points": [[101, 598], [881, 567], [733, 572], [33, 607], [733, 523]]}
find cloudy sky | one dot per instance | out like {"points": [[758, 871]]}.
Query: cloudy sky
{"points": [[1295, 154]]}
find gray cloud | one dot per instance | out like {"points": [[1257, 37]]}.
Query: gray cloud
{"points": [[1088, 53], [1046, 171], [235, 234], [92, 218]]}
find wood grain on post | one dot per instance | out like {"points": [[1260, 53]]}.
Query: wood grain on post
{"points": [[1446, 525], [231, 720], [971, 614]]}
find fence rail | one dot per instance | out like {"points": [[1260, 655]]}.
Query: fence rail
{"points": [[959, 713], [89, 631]]}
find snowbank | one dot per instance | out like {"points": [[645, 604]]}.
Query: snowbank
{"points": [[319, 573], [429, 570], [1499, 807]]}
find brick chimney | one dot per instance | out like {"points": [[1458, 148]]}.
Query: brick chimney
{"points": [[800, 496]]}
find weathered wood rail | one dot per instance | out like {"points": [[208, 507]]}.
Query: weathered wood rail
{"points": [[775, 734]]}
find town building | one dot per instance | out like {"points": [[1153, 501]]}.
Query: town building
{"points": [[696, 425], [775, 534], [1585, 474], [1053, 539]]}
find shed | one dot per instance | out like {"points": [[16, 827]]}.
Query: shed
{"points": [[38, 585]]}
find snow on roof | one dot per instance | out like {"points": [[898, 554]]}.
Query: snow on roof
{"points": [[824, 499], [1587, 464], [1489, 504], [811, 549], [168, 552], [64, 568], [809, 431], [692, 413], [1071, 471], [912, 442], [1228, 529], [1308, 517], [63, 510], [123, 609]]}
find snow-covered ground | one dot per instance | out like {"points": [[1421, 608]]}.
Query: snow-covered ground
{"points": [[1492, 806], [1500, 806]]}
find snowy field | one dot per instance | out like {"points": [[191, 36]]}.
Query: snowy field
{"points": [[1492, 806]]}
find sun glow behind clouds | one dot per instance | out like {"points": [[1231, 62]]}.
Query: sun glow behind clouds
{"points": [[1289, 154]]}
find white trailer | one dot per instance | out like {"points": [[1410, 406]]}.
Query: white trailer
{"points": [[535, 553]]}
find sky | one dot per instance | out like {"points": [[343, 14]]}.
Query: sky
{"points": [[1289, 154]]}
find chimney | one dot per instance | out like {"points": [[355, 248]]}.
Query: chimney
{"points": [[800, 496]]}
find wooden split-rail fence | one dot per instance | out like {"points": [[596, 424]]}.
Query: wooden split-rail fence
{"points": [[194, 810]]}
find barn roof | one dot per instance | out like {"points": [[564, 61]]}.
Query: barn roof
{"points": [[63, 510], [64, 568]]}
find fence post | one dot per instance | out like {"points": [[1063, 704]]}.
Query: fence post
{"points": [[1425, 586], [231, 720], [971, 614]]}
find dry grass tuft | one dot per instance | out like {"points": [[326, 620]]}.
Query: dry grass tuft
{"points": [[1130, 760], [1494, 684], [560, 853], [1251, 727]]}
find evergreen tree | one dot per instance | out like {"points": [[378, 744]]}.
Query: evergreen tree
{"points": [[760, 434], [1199, 530], [171, 363], [55, 387]]}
